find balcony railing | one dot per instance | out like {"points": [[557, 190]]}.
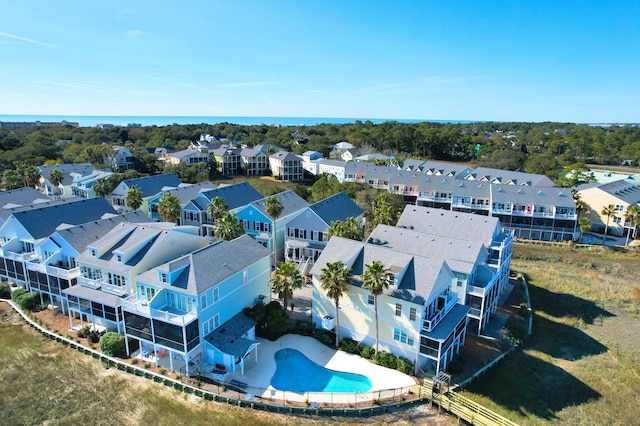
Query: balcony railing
{"points": [[21, 257], [477, 291], [88, 282], [133, 304], [62, 272], [179, 319], [39, 267], [430, 324], [475, 312], [115, 289]]}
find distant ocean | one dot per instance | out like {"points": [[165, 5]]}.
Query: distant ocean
{"points": [[123, 120]]}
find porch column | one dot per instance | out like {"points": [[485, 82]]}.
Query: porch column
{"points": [[186, 362], [126, 344], [256, 353], [155, 353], [171, 362], [70, 321]]}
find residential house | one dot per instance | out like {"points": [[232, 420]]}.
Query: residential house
{"points": [[189, 156], [227, 159], [184, 193], [286, 166], [418, 316], [507, 177], [82, 187], [25, 228], [189, 310], [490, 231], [258, 224], [309, 161], [19, 198], [335, 168], [120, 159], [70, 174], [149, 186], [54, 267], [307, 233], [196, 211], [253, 162], [622, 194], [109, 267]]}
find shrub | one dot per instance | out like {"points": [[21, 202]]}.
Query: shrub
{"points": [[5, 290], [83, 332], [349, 345], [93, 337], [112, 344], [326, 337], [455, 367], [385, 359], [17, 293], [405, 366], [367, 352], [26, 300]]}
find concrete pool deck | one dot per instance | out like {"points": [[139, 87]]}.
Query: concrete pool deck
{"points": [[385, 382]]}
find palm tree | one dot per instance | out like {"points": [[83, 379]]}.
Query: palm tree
{"points": [[286, 279], [335, 277], [377, 278], [169, 207], [585, 225], [11, 179], [102, 188], [607, 211], [134, 197], [229, 227], [217, 209], [632, 215], [274, 208], [56, 177], [349, 228], [382, 210], [29, 174]]}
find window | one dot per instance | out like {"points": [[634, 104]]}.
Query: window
{"points": [[619, 208], [211, 324], [617, 220], [371, 299], [412, 314], [163, 277], [203, 301], [398, 309], [245, 277], [93, 252], [402, 336], [216, 294], [119, 258]]}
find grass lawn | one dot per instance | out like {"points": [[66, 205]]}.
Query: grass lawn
{"points": [[582, 363], [44, 382]]}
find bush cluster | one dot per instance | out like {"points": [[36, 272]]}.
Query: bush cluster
{"points": [[112, 344], [349, 345], [325, 337], [24, 299], [384, 359], [5, 290]]}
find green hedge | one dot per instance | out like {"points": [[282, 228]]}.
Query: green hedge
{"points": [[112, 344], [5, 291], [24, 299]]}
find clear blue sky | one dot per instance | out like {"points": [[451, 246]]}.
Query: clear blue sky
{"points": [[446, 60]]}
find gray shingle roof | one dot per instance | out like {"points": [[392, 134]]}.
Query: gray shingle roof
{"points": [[82, 169], [506, 176], [227, 338], [186, 193], [291, 203], [79, 237], [237, 195], [624, 190], [464, 226], [448, 323], [41, 222], [336, 207], [151, 185], [93, 295], [20, 197], [208, 266]]}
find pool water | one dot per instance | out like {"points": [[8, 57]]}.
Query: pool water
{"points": [[295, 372]]}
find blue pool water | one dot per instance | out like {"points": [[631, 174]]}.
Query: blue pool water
{"points": [[295, 372]]}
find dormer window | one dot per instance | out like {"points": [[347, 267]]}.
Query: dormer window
{"points": [[93, 252], [119, 258], [163, 277]]}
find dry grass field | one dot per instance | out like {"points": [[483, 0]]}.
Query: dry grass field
{"points": [[582, 363]]}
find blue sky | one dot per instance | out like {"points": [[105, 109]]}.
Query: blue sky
{"points": [[573, 61]]}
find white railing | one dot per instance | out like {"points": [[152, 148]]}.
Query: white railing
{"points": [[430, 324], [475, 312], [39, 267], [132, 304], [88, 282], [477, 291], [179, 319], [21, 257], [63, 273], [114, 289]]}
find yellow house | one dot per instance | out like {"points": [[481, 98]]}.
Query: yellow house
{"points": [[622, 194]]}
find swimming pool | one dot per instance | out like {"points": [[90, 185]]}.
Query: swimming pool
{"points": [[295, 372]]}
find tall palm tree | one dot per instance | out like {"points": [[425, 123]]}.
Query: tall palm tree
{"points": [[56, 177], [274, 208], [382, 210], [229, 227], [349, 228], [335, 277], [217, 209], [632, 215], [376, 278], [102, 188], [585, 225], [29, 174], [11, 179], [286, 279], [607, 211], [134, 197], [169, 207]]}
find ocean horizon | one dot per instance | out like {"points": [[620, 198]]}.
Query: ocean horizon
{"points": [[161, 120]]}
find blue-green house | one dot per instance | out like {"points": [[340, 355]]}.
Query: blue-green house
{"points": [[186, 314], [259, 225]]}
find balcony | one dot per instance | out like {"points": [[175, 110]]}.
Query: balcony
{"points": [[115, 289], [477, 291], [475, 313], [88, 282], [133, 304], [21, 257], [61, 272], [430, 324], [173, 315], [37, 266]]}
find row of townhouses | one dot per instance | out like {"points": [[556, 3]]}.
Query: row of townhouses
{"points": [[174, 291]]}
